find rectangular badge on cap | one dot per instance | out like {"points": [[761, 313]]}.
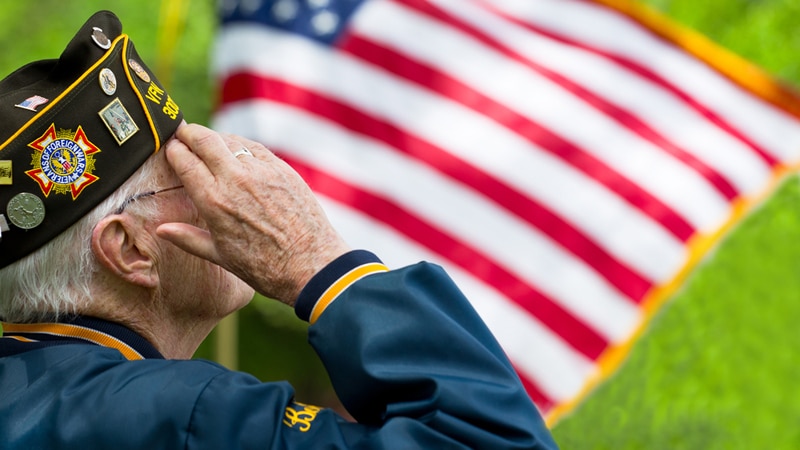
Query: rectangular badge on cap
{"points": [[118, 121], [5, 172]]}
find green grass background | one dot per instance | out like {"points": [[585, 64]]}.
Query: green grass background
{"points": [[716, 368]]}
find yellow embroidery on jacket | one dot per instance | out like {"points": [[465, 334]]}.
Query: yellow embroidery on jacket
{"points": [[300, 416]]}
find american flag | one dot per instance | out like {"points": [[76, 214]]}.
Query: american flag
{"points": [[567, 161]]}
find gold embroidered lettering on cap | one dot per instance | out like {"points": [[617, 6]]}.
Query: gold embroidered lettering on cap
{"points": [[5, 172], [139, 70], [154, 93], [118, 121], [25, 210], [108, 81], [100, 38], [171, 109], [31, 103]]}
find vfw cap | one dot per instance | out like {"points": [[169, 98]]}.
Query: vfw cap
{"points": [[72, 130]]}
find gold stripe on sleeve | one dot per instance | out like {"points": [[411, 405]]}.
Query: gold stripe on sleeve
{"points": [[341, 284]]}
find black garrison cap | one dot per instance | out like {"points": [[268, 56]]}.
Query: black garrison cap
{"points": [[72, 130]]}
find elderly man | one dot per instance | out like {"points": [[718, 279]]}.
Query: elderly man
{"points": [[118, 259]]}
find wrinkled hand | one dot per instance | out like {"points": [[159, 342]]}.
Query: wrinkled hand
{"points": [[264, 224]]}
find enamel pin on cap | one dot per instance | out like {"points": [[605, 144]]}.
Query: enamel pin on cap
{"points": [[100, 38], [25, 210], [118, 121], [31, 103], [108, 81], [139, 70], [6, 174]]}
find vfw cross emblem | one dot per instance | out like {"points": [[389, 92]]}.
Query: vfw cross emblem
{"points": [[63, 161]]}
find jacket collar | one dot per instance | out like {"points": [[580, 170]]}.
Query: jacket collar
{"points": [[18, 338]]}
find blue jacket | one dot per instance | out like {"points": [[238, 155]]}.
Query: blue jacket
{"points": [[408, 357]]}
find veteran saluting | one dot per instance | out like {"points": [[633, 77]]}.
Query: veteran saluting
{"points": [[113, 272]]}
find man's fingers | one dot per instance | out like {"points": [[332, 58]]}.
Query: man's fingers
{"points": [[190, 239], [208, 145], [189, 168]]}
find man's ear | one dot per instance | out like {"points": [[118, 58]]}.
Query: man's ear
{"points": [[114, 244]]}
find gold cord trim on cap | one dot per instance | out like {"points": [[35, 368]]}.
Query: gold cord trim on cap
{"points": [[55, 101], [127, 71]]}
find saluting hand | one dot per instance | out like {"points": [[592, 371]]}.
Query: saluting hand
{"points": [[264, 223]]}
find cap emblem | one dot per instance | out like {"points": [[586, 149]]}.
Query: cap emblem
{"points": [[63, 161]]}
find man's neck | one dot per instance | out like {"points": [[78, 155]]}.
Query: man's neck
{"points": [[176, 337]]}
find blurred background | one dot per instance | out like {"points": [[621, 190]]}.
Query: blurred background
{"points": [[716, 368]]}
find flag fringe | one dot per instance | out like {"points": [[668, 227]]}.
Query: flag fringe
{"points": [[732, 66]]}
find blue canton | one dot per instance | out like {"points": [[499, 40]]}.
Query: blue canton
{"points": [[320, 20]]}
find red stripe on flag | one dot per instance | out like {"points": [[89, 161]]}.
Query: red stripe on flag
{"points": [[577, 334], [247, 86], [645, 73], [543, 402]]}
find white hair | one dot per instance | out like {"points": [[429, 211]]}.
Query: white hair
{"points": [[56, 279]]}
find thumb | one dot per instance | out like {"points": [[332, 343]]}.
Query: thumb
{"points": [[190, 239]]}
